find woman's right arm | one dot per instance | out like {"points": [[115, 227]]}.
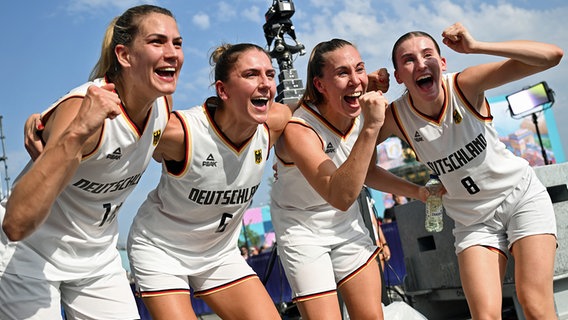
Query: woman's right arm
{"points": [[523, 58], [338, 185], [67, 134]]}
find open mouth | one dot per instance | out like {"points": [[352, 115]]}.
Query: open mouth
{"points": [[352, 98], [425, 81], [259, 102], [168, 72]]}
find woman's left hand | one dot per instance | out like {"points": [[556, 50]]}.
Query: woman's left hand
{"points": [[386, 253], [379, 80], [32, 138]]}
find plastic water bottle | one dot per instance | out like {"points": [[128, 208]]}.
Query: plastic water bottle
{"points": [[434, 208]]}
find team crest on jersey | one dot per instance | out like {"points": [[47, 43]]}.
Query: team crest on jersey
{"points": [[258, 156], [418, 137], [115, 155], [329, 148], [210, 161], [457, 117], [157, 134]]}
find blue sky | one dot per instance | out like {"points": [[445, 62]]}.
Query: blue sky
{"points": [[51, 46]]}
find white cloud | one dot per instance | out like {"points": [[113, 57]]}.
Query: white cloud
{"points": [[253, 14], [323, 4], [201, 20], [88, 6], [226, 11]]}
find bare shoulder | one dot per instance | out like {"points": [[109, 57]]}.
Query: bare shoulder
{"points": [[298, 142], [278, 116]]}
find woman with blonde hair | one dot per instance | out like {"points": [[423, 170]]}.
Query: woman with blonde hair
{"points": [[325, 155], [58, 245], [185, 235]]}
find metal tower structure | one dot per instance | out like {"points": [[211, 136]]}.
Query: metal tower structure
{"points": [[3, 158], [278, 25]]}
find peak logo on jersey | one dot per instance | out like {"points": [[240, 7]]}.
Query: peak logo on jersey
{"points": [[329, 148], [258, 156], [115, 155], [418, 137], [210, 161], [156, 137], [457, 117], [96, 187]]}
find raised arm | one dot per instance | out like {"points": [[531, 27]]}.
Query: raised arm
{"points": [[524, 58], [70, 131], [338, 185]]}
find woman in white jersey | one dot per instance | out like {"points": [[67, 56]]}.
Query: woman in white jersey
{"points": [[185, 235], [59, 226], [494, 197], [325, 155]]}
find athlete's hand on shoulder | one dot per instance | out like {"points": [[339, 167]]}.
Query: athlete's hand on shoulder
{"points": [[373, 105], [32, 135], [379, 80], [98, 104], [457, 38]]}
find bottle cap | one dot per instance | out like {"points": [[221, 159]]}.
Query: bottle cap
{"points": [[433, 176]]}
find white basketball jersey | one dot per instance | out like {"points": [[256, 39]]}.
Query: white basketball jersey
{"points": [[463, 148], [79, 237], [299, 214], [195, 214]]}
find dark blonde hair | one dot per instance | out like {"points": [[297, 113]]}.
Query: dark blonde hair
{"points": [[224, 57], [408, 35], [315, 68], [121, 30]]}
